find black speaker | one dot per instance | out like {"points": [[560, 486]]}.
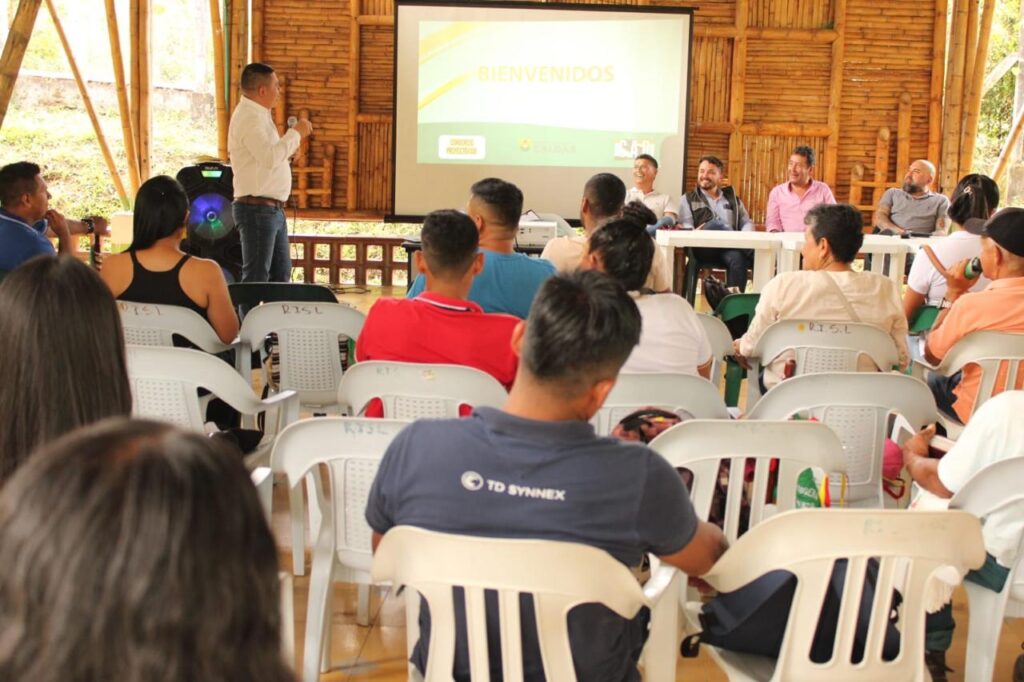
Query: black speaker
{"points": [[211, 227]]}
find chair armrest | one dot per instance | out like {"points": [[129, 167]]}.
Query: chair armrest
{"points": [[921, 369], [661, 579], [941, 443], [287, 403]]}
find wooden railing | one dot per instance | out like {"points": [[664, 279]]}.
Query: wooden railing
{"points": [[354, 260]]}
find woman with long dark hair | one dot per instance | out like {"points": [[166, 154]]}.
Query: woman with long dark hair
{"points": [[62, 359], [154, 269], [134, 551]]}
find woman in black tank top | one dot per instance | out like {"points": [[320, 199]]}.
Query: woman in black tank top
{"points": [[155, 270]]}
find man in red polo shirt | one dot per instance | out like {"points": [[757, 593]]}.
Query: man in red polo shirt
{"points": [[441, 325]]}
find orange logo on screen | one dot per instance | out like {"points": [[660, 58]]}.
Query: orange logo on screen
{"points": [[525, 144]]}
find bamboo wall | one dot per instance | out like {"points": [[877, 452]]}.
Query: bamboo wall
{"points": [[767, 75]]}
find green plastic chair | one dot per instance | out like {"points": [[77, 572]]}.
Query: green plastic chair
{"points": [[923, 319], [729, 308]]}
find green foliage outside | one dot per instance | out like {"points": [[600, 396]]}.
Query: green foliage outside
{"points": [[997, 105]]}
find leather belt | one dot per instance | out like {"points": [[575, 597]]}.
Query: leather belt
{"points": [[260, 201]]}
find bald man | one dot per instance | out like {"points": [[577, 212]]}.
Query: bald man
{"points": [[913, 208]]}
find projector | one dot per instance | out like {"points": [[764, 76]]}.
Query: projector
{"points": [[536, 233]]}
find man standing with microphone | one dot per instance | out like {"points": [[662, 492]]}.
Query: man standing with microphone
{"points": [[262, 176]]}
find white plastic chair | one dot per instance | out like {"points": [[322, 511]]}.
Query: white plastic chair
{"points": [[150, 324], [411, 390], [994, 488], [721, 344], [351, 449], [807, 542], [987, 350], [857, 406], [820, 346], [559, 575], [668, 391], [307, 341], [701, 445]]}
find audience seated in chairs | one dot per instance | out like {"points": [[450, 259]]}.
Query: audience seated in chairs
{"points": [[135, 551], [672, 339], [995, 433], [156, 270], [827, 289], [441, 325], [63, 360], [999, 307], [621, 497], [974, 201], [509, 280]]}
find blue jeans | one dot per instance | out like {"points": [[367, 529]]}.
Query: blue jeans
{"points": [[264, 234], [735, 261]]}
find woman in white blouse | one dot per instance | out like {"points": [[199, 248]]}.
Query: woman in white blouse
{"points": [[828, 289]]}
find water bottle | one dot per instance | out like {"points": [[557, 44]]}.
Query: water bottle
{"points": [[973, 269]]}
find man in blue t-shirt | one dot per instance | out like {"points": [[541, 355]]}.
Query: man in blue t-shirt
{"points": [[536, 469], [26, 219], [509, 280]]}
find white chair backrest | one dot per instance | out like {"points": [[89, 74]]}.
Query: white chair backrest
{"points": [[560, 575], [165, 385], [352, 449], [721, 344], [411, 390], [702, 445], [990, 351], [672, 392], [151, 324], [307, 339], [856, 405], [807, 543], [821, 346]]}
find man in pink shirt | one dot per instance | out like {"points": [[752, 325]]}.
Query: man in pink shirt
{"points": [[789, 202]]}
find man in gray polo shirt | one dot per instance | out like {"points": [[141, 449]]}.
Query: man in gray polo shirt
{"points": [[914, 207], [536, 469]]}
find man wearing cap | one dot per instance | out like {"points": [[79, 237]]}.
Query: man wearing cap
{"points": [[999, 307]]}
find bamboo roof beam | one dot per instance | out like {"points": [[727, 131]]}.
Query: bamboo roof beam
{"points": [[115, 176], [974, 90], [123, 107], [14, 50], [938, 79], [1011, 143]]}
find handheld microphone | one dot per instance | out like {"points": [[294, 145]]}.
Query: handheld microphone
{"points": [[292, 120]]}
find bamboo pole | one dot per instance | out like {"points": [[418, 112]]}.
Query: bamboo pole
{"points": [[970, 52], [856, 177], [143, 132], [1007, 152], [220, 92], [327, 198], [107, 156], [14, 50], [938, 79], [351, 185], [972, 98], [738, 92], [903, 133], [952, 126], [122, 97], [134, 71], [238, 37], [256, 16], [835, 95], [881, 163]]}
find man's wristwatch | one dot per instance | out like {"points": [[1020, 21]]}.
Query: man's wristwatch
{"points": [[945, 304], [90, 223]]}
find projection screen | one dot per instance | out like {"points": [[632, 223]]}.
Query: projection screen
{"points": [[541, 95]]}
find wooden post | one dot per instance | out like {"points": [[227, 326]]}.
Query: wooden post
{"points": [[856, 177], [881, 164], [143, 132], [952, 125], [835, 94], [738, 92], [903, 133], [127, 133], [220, 92], [974, 90], [327, 198], [938, 79], [238, 36], [281, 106], [1007, 152], [353, 109], [257, 30], [111, 166], [14, 50]]}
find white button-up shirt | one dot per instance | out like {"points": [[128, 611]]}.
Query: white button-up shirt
{"points": [[259, 156]]}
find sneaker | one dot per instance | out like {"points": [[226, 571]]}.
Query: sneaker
{"points": [[936, 664], [1018, 668]]}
